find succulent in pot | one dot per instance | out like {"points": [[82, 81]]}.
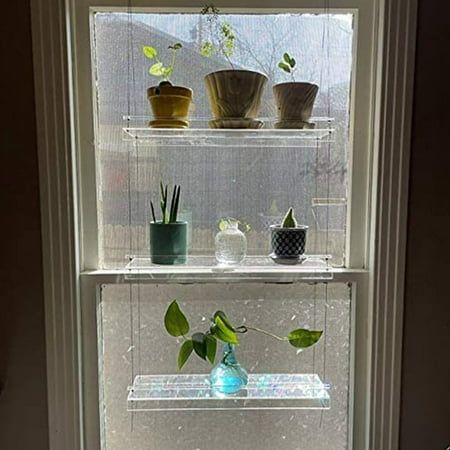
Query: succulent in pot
{"points": [[170, 104], [168, 236], [294, 100], [288, 240], [234, 94]]}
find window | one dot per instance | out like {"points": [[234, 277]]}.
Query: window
{"points": [[253, 178], [134, 342], [254, 185]]}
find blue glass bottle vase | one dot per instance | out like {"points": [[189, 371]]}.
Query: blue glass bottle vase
{"points": [[228, 377]]}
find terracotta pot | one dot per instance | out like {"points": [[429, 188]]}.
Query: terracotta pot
{"points": [[235, 98], [170, 105], [295, 102]]}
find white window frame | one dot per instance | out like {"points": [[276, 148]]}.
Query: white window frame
{"points": [[376, 246]]}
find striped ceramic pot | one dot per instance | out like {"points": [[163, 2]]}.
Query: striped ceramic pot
{"points": [[235, 98], [295, 102]]}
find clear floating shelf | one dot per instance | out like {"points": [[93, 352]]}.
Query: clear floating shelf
{"points": [[200, 135], [253, 268], [203, 137], [202, 122], [192, 392]]}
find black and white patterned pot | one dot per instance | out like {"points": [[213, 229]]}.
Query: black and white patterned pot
{"points": [[288, 243]]}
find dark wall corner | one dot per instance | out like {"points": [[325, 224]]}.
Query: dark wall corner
{"points": [[23, 396], [425, 407]]}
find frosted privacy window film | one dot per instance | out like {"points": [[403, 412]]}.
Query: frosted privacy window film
{"points": [[253, 182], [134, 343]]}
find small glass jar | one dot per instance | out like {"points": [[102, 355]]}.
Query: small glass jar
{"points": [[231, 243]]}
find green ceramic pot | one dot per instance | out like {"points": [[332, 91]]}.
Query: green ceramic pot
{"points": [[168, 242]]}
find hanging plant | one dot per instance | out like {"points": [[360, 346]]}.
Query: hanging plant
{"points": [[221, 36]]}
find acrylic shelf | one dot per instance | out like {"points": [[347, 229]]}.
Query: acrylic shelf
{"points": [[192, 392], [253, 268], [205, 137]]}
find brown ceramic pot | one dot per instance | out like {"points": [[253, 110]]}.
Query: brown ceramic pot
{"points": [[295, 102], [170, 105], [235, 98]]}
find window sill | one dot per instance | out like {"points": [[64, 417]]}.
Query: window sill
{"points": [[316, 268]]}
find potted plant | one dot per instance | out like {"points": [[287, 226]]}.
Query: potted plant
{"points": [[228, 377], [288, 240], [234, 94], [170, 104], [294, 100], [168, 236]]}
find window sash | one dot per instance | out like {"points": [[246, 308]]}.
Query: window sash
{"points": [[361, 109]]}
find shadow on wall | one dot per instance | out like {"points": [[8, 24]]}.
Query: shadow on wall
{"points": [[23, 399]]}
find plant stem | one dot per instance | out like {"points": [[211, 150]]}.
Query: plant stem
{"points": [[229, 60], [259, 330], [173, 59]]}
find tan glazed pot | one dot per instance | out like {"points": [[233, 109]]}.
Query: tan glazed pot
{"points": [[170, 105], [294, 102], [235, 98]]}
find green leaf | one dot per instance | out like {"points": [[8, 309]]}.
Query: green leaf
{"points": [[224, 337], [207, 49], [225, 319], [185, 352], [176, 46], [222, 224], [284, 67], [175, 321], [149, 52], [227, 30], [225, 222], [302, 338], [289, 220], [287, 58], [199, 342], [157, 69], [223, 332], [228, 50], [292, 62], [211, 347]]}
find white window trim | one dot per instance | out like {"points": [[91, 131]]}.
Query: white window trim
{"points": [[67, 394]]}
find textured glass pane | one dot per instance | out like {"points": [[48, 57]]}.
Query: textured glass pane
{"points": [[255, 185], [134, 342]]}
